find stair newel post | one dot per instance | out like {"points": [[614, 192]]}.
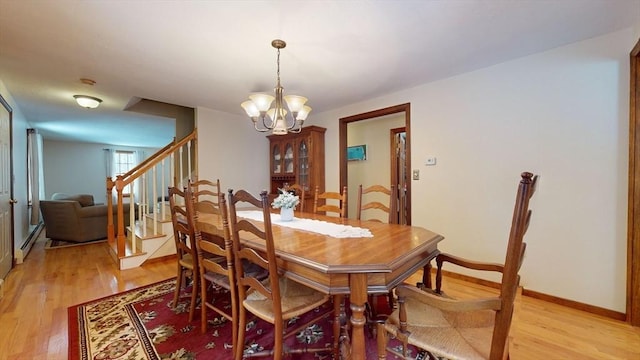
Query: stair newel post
{"points": [[110, 230], [120, 214]]}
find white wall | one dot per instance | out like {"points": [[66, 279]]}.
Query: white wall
{"points": [[230, 149], [21, 209], [376, 168], [562, 114], [78, 168]]}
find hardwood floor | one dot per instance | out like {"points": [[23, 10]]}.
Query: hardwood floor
{"points": [[33, 311]]}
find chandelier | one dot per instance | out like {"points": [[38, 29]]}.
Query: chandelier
{"points": [[275, 119]]}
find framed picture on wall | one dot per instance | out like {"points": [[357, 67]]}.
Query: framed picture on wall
{"points": [[357, 153]]}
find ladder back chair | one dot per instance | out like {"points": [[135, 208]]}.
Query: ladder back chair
{"points": [[276, 299], [320, 204], [470, 328], [184, 236], [214, 272], [376, 195], [207, 196]]}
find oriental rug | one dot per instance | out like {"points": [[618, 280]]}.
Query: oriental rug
{"points": [[142, 324]]}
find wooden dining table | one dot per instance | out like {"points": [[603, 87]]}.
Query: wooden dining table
{"points": [[348, 266]]}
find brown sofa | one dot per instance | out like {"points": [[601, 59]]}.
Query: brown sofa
{"points": [[76, 218]]}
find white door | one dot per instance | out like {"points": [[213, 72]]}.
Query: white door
{"points": [[6, 213]]}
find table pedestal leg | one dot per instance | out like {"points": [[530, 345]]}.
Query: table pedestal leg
{"points": [[358, 299]]}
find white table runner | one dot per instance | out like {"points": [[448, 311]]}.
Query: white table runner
{"points": [[316, 226]]}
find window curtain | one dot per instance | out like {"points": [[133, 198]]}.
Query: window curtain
{"points": [[36, 174], [138, 188], [110, 169], [109, 163]]}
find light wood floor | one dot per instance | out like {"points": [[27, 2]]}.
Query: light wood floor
{"points": [[33, 312]]}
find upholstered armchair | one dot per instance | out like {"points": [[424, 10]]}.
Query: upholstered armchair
{"points": [[76, 218]]}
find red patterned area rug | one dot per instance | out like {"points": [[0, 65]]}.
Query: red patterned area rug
{"points": [[142, 324]]}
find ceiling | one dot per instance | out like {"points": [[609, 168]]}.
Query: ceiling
{"points": [[214, 53]]}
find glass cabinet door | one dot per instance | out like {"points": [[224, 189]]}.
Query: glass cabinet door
{"points": [[303, 165], [288, 158], [276, 159]]}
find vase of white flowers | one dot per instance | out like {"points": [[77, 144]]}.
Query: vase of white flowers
{"points": [[286, 202]]}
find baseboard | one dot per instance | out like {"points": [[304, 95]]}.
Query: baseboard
{"points": [[576, 305], [28, 244], [545, 297]]}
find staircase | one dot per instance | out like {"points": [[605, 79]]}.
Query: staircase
{"points": [[144, 189]]}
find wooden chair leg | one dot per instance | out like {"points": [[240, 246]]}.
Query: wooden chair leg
{"points": [[382, 342], [242, 326], [234, 325], [278, 340], [178, 286], [194, 294], [203, 307]]}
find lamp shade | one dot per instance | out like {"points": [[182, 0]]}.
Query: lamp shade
{"points": [[262, 101], [88, 102]]}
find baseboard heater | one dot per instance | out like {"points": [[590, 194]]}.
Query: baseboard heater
{"points": [[28, 244]]}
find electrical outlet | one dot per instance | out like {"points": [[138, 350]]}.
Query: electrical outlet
{"points": [[416, 174]]}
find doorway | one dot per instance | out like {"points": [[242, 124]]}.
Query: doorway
{"points": [[403, 165], [399, 173]]}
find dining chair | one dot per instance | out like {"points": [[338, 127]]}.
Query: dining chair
{"points": [[207, 195], [320, 204], [275, 300], [213, 272], [381, 201], [184, 236], [469, 328], [375, 195]]}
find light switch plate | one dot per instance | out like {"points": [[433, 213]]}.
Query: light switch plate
{"points": [[416, 174]]}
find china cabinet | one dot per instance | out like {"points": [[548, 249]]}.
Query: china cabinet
{"points": [[298, 159]]}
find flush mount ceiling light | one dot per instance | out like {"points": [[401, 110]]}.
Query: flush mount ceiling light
{"points": [[275, 119], [88, 102]]}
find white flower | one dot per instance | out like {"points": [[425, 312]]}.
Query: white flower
{"points": [[285, 200]]}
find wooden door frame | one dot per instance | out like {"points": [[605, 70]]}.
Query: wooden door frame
{"points": [[633, 218], [406, 108]]}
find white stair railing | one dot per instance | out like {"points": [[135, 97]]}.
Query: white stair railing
{"points": [[147, 176]]}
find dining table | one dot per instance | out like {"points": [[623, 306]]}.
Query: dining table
{"points": [[368, 258]]}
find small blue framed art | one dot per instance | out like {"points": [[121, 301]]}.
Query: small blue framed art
{"points": [[357, 153]]}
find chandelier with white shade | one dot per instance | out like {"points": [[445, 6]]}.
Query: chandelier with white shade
{"points": [[266, 118]]}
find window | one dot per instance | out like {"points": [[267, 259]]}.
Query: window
{"points": [[124, 161]]}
